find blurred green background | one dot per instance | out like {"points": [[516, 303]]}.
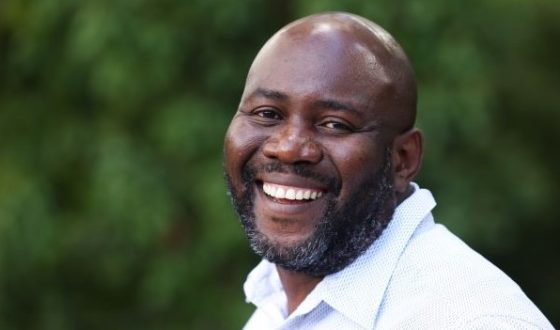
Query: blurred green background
{"points": [[113, 212]]}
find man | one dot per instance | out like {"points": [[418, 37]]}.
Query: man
{"points": [[319, 160]]}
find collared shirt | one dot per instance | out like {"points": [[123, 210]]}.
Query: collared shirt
{"points": [[417, 275]]}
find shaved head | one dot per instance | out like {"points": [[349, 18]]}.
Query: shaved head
{"points": [[322, 147], [384, 67]]}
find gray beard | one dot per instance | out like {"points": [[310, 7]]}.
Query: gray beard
{"points": [[343, 233]]}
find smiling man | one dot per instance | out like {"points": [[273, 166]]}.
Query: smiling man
{"points": [[319, 160]]}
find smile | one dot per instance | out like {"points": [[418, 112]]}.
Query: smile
{"points": [[291, 193]]}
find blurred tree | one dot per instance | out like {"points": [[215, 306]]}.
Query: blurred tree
{"points": [[113, 212]]}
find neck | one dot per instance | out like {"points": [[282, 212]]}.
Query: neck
{"points": [[404, 195], [296, 286]]}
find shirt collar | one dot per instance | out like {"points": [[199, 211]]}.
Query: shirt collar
{"points": [[357, 290], [365, 280], [262, 282]]}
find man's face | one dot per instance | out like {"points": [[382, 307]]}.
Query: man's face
{"points": [[307, 157]]}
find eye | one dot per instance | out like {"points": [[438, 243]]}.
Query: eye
{"points": [[266, 117], [268, 114], [337, 126]]}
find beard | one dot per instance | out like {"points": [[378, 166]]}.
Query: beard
{"points": [[343, 233]]}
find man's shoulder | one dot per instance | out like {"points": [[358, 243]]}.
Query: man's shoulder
{"points": [[441, 280], [439, 255]]}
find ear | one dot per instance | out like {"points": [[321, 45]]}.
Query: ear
{"points": [[407, 157]]}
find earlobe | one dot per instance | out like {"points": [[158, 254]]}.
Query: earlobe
{"points": [[407, 158]]}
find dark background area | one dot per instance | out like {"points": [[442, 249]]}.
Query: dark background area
{"points": [[113, 212]]}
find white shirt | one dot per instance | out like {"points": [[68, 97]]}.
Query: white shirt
{"points": [[417, 275]]}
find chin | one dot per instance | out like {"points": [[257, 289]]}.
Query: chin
{"points": [[285, 239]]}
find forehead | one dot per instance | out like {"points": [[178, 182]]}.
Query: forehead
{"points": [[321, 62]]}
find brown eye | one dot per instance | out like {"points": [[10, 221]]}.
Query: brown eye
{"points": [[268, 114], [334, 125]]}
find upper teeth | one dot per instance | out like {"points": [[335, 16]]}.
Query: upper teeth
{"points": [[291, 193]]}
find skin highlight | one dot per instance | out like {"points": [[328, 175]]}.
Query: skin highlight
{"points": [[328, 106]]}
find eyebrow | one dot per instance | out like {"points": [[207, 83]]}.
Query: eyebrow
{"points": [[269, 94], [325, 104], [336, 105]]}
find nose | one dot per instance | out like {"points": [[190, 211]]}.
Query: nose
{"points": [[293, 143]]}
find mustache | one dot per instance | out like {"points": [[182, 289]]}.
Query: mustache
{"points": [[302, 170]]}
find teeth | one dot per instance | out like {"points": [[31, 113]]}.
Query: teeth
{"points": [[290, 193]]}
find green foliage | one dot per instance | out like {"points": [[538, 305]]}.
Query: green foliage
{"points": [[113, 212]]}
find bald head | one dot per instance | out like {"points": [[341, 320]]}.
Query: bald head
{"points": [[322, 148], [346, 47]]}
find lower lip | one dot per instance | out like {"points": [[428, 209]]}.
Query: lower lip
{"points": [[287, 201]]}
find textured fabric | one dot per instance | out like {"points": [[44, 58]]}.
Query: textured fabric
{"points": [[417, 275]]}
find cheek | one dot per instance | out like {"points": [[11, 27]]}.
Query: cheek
{"points": [[356, 161], [240, 144]]}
